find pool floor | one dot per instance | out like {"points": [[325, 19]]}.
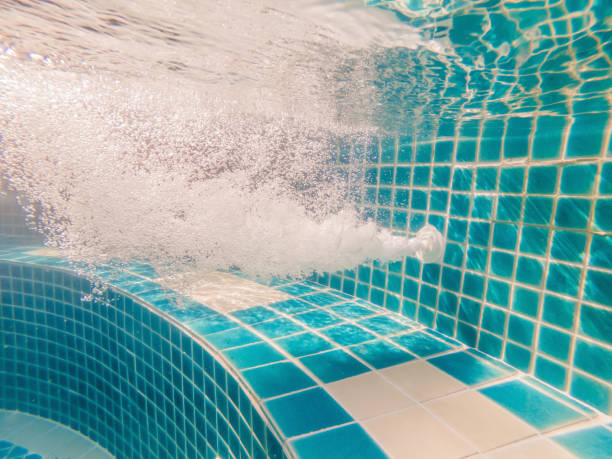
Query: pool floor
{"points": [[30, 437]]}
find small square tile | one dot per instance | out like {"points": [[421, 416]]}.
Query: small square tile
{"points": [[351, 311], [292, 306], [333, 365], [296, 289], [348, 334], [304, 344], [323, 299], [318, 318], [254, 315], [232, 338], [480, 420], [421, 344], [212, 324], [421, 380], [368, 395], [531, 405], [415, 433], [467, 368], [381, 354], [278, 327], [277, 379], [253, 355], [306, 411], [383, 325], [340, 443]]}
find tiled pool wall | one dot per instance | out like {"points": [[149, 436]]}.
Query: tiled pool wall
{"points": [[119, 373], [518, 178]]}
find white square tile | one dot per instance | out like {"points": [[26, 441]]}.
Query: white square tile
{"points": [[422, 381], [480, 420], [224, 292], [415, 433], [368, 395], [541, 448]]}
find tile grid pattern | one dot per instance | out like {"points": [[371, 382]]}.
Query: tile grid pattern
{"points": [[237, 332], [526, 270], [119, 373]]}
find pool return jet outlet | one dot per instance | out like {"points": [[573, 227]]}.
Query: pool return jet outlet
{"points": [[427, 245]]}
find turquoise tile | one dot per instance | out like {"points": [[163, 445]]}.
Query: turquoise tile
{"points": [[212, 324], [306, 411], [462, 179], [511, 180], [600, 253], [333, 365], [296, 289], [466, 368], [578, 179], [526, 301], [550, 372], [486, 178], [559, 311], [593, 359], [232, 338], [192, 312], [534, 240], [254, 315], [278, 327], [591, 391], [493, 320], [538, 210], [482, 208], [502, 263], [277, 379], [517, 356], [572, 212], [596, 323], [383, 325], [381, 354], [591, 443], [505, 236], [349, 441], [351, 311], [509, 208], [531, 405], [605, 184], [542, 180], [568, 246], [529, 271], [318, 318], [253, 355], [521, 330], [479, 233], [563, 279], [304, 344], [554, 343], [498, 292], [348, 334], [322, 299], [597, 287]]}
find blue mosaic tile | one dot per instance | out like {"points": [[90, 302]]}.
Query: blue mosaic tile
{"points": [[322, 299], [292, 306], [232, 338], [277, 379], [278, 327], [421, 344], [381, 354], [304, 344], [348, 334], [383, 325], [254, 315], [333, 365], [296, 289], [531, 405], [591, 443], [318, 318], [349, 441], [253, 355], [467, 368], [306, 411], [212, 324]]}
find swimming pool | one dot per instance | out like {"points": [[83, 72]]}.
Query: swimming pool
{"points": [[488, 120]]}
